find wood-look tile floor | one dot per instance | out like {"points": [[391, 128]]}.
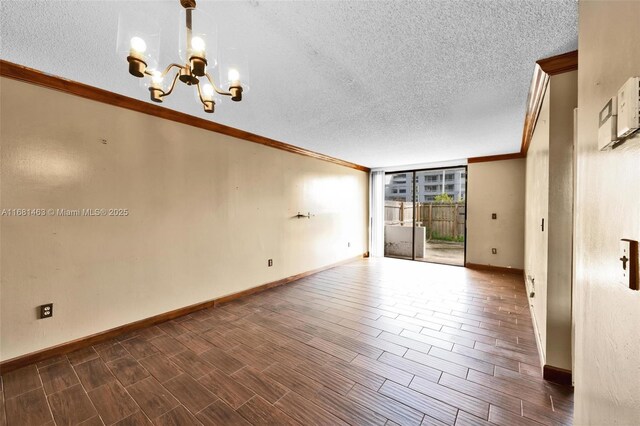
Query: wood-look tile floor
{"points": [[380, 341]]}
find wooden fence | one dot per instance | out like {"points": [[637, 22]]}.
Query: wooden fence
{"points": [[442, 221]]}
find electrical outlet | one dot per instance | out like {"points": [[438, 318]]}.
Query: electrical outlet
{"points": [[494, 251], [270, 262], [46, 311]]}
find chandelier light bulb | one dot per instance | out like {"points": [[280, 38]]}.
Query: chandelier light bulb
{"points": [[207, 91], [138, 44], [197, 44], [155, 88], [156, 77], [156, 82], [233, 75]]}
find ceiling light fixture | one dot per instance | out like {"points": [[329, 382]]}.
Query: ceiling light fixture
{"points": [[139, 40]]}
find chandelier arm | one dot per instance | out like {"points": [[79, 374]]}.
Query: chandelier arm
{"points": [[218, 91], [168, 68], [200, 94], [165, 72], [173, 85]]}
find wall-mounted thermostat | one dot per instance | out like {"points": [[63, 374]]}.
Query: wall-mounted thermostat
{"points": [[608, 125], [629, 107]]}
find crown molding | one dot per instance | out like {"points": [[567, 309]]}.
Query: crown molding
{"points": [[495, 158], [544, 69], [559, 64], [32, 76]]}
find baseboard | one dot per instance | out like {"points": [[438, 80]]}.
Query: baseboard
{"points": [[83, 342], [552, 374], [231, 297], [536, 331], [493, 268], [557, 375]]}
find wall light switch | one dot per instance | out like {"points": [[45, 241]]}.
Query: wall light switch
{"points": [[628, 262], [494, 215], [624, 258]]}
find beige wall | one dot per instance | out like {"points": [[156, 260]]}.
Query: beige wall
{"points": [[548, 253], [496, 187], [607, 315], [206, 211]]}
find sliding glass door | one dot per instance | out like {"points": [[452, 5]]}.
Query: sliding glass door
{"points": [[425, 215], [398, 215]]}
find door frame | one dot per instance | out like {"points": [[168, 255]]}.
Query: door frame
{"points": [[413, 234]]}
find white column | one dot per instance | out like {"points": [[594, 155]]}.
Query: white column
{"points": [[376, 214]]}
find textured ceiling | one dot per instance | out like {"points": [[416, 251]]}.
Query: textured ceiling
{"points": [[379, 83]]}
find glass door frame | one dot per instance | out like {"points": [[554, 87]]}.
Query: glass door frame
{"points": [[414, 187]]}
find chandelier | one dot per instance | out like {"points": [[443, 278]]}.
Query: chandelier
{"points": [[139, 39]]}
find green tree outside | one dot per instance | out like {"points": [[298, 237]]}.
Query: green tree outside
{"points": [[443, 199]]}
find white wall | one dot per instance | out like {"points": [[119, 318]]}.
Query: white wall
{"points": [[206, 211], [496, 187], [607, 373]]}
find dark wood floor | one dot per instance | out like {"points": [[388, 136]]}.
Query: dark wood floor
{"points": [[373, 342]]}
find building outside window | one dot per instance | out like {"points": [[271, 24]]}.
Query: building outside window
{"points": [[400, 187]]}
